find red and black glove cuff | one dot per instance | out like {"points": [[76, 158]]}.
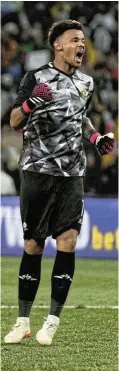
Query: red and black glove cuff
{"points": [[94, 136], [30, 104]]}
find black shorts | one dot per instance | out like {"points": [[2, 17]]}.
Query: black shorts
{"points": [[50, 205]]}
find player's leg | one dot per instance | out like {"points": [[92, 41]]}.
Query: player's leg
{"points": [[68, 224], [33, 209], [29, 279], [62, 276], [63, 270], [29, 276]]}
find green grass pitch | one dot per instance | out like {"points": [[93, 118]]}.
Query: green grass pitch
{"points": [[86, 339]]}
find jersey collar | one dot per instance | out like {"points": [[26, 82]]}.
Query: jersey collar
{"points": [[57, 69]]}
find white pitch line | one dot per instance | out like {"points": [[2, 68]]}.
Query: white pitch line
{"points": [[35, 306], [100, 307], [66, 307]]}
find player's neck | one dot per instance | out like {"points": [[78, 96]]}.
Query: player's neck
{"points": [[63, 66]]}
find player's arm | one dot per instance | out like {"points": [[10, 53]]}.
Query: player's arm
{"points": [[18, 115], [30, 95], [87, 127], [105, 143], [17, 118]]}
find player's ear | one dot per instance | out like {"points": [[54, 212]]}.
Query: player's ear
{"points": [[58, 46]]}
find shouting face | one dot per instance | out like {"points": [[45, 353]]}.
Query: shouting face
{"points": [[71, 46]]}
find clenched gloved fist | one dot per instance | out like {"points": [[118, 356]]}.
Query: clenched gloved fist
{"points": [[40, 94], [105, 144], [43, 91]]}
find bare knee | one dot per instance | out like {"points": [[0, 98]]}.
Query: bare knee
{"points": [[32, 248], [67, 241]]}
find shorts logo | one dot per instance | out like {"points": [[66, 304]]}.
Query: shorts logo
{"points": [[80, 221], [25, 228]]}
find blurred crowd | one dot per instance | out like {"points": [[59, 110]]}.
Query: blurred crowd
{"points": [[24, 47]]}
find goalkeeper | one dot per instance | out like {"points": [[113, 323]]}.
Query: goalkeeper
{"points": [[51, 108]]}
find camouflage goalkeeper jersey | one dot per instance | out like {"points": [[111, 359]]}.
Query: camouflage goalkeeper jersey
{"points": [[52, 135]]}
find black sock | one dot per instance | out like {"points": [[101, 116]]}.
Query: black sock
{"points": [[62, 275], [29, 279]]}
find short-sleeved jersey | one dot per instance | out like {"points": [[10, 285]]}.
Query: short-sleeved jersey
{"points": [[52, 135]]}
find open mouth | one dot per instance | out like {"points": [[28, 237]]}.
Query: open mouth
{"points": [[79, 56]]}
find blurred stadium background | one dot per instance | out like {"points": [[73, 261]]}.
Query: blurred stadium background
{"points": [[24, 47]]}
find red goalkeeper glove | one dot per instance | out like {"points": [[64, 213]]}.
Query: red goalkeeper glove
{"points": [[105, 144], [40, 94]]}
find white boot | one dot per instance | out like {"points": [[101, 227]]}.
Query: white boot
{"points": [[47, 332], [21, 330]]}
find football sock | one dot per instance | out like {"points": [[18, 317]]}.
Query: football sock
{"points": [[29, 279], [62, 276]]}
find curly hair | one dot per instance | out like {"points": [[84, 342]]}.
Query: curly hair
{"points": [[59, 28]]}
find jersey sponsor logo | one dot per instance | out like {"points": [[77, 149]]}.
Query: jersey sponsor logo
{"points": [[27, 277], [68, 86]]}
